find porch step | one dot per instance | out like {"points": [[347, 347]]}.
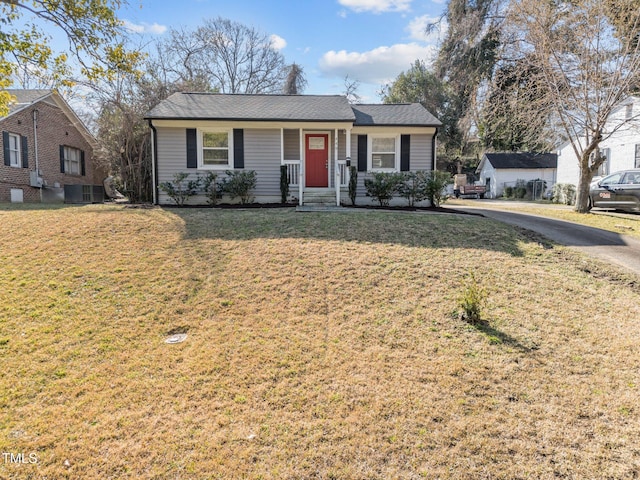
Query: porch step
{"points": [[319, 208], [319, 198]]}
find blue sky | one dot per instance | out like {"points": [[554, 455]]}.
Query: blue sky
{"points": [[368, 40]]}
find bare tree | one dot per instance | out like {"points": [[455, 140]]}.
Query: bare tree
{"points": [[351, 90], [296, 82], [227, 55], [587, 61]]}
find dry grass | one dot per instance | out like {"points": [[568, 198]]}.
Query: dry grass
{"points": [[625, 223], [319, 346]]}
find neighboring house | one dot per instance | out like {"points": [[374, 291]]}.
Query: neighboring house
{"points": [[500, 170], [621, 148], [316, 137], [47, 150]]}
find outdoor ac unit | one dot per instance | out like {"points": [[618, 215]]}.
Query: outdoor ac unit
{"points": [[35, 179]]}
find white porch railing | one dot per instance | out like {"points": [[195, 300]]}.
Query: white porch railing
{"points": [[344, 173], [293, 171]]}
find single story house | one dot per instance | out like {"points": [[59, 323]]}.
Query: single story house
{"points": [[500, 170], [48, 152], [316, 136], [621, 144]]}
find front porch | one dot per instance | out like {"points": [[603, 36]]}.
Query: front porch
{"points": [[295, 154]]}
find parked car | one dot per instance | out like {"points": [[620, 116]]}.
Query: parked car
{"points": [[620, 191]]}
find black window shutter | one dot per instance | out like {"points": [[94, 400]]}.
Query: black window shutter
{"points": [[61, 158], [82, 164], [238, 148], [5, 144], [405, 145], [192, 148], [25, 152], [362, 153]]}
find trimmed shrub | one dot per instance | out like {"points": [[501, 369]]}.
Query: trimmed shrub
{"points": [[284, 184], [564, 193], [239, 184], [507, 192], [414, 186], [181, 189], [353, 184], [436, 184], [383, 186], [211, 187]]}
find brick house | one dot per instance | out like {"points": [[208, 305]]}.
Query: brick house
{"points": [[48, 153]]}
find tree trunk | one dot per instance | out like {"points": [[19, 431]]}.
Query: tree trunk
{"points": [[584, 183], [582, 193]]}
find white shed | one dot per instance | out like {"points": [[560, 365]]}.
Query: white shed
{"points": [[500, 170]]}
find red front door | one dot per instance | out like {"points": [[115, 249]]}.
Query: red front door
{"points": [[317, 159]]}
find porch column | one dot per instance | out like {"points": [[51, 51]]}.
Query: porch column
{"points": [[348, 152], [282, 146], [301, 169], [337, 167]]}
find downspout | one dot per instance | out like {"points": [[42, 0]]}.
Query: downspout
{"points": [[337, 168], [154, 160], [35, 150], [433, 149]]}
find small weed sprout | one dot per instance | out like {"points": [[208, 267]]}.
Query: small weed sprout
{"points": [[472, 300]]}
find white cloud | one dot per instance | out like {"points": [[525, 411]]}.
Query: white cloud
{"points": [[277, 42], [377, 66], [143, 27], [377, 6], [418, 28]]}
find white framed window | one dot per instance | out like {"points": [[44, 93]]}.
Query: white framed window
{"points": [[72, 160], [215, 149], [14, 150], [384, 154]]}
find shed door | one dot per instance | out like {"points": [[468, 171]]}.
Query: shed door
{"points": [[317, 159]]}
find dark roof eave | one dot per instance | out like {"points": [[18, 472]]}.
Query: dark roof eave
{"points": [[311, 120], [433, 125]]}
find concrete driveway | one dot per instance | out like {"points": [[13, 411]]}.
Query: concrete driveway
{"points": [[611, 247]]}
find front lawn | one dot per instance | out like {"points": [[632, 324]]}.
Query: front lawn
{"points": [[319, 345]]}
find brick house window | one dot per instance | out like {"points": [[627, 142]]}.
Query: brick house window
{"points": [[14, 150], [72, 157]]}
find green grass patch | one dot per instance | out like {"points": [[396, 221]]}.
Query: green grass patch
{"points": [[318, 345]]}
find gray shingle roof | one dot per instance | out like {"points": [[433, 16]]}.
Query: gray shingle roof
{"points": [[26, 97], [523, 160], [289, 108], [394, 114], [211, 106]]}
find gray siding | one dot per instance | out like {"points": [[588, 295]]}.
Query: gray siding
{"points": [[292, 145], [172, 153], [420, 152], [262, 154]]}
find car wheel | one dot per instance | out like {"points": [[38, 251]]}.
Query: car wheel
{"points": [[589, 204]]}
